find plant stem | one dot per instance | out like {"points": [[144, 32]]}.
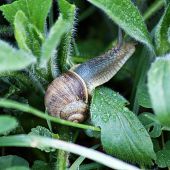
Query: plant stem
{"points": [[62, 156]]}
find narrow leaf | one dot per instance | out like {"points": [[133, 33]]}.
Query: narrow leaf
{"points": [[12, 59], [35, 11], [162, 43], [122, 134], [27, 35], [68, 11], [52, 41], [12, 160], [158, 84], [7, 123], [35, 141], [143, 97], [126, 15]]}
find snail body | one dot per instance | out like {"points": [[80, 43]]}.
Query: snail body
{"points": [[67, 95]]}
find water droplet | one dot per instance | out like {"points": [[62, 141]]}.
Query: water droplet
{"points": [[142, 129], [105, 119], [125, 109], [114, 118]]}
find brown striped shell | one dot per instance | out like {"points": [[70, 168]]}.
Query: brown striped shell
{"points": [[66, 97]]}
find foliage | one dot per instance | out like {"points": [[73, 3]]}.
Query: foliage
{"points": [[37, 45]]}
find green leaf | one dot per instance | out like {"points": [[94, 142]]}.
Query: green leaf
{"points": [[158, 85], [163, 158], [12, 59], [169, 34], [35, 11], [127, 16], [68, 11], [18, 168], [122, 134], [143, 97], [36, 141], [52, 41], [167, 145], [27, 35], [39, 165], [42, 131], [7, 123], [153, 127], [12, 160], [161, 38], [167, 2]]}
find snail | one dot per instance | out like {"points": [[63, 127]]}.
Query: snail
{"points": [[67, 96]]}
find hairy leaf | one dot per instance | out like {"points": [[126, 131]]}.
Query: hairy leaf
{"points": [[153, 127], [7, 123], [158, 84], [12, 59], [27, 35], [122, 134], [68, 11], [162, 43], [143, 97], [52, 41], [42, 131], [12, 160], [127, 16], [35, 11]]}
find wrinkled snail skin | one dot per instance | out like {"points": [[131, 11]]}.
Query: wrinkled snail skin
{"points": [[67, 96], [101, 69]]}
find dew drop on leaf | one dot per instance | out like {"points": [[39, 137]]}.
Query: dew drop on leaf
{"points": [[105, 119], [114, 118]]}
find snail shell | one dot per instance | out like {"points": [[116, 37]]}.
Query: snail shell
{"points": [[67, 97]]}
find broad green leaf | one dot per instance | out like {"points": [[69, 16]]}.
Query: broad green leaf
{"points": [[52, 41], [12, 59], [27, 35], [158, 85], [143, 97], [68, 11], [39, 165], [122, 134], [161, 38], [35, 11], [167, 145], [36, 141], [12, 160], [7, 123], [42, 131], [153, 127], [127, 16], [163, 158]]}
